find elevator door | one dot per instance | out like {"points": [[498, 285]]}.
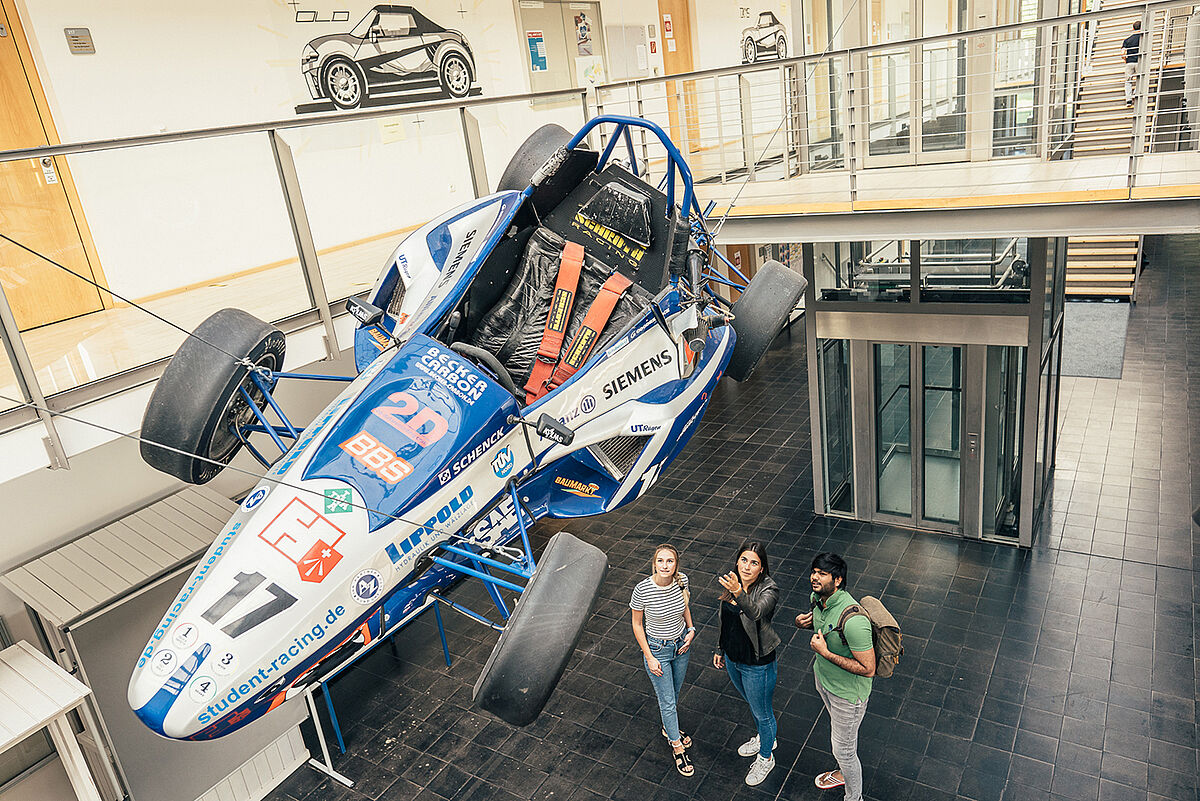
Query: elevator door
{"points": [[917, 432]]}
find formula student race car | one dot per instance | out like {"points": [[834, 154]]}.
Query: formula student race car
{"points": [[543, 351]]}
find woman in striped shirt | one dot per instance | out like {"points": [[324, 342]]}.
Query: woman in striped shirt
{"points": [[662, 625]]}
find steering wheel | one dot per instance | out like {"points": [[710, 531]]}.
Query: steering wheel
{"points": [[491, 363]]}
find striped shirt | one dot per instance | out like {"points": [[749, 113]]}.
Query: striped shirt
{"points": [[663, 606]]}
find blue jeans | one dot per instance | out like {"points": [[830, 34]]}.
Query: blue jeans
{"points": [[756, 683], [667, 686]]}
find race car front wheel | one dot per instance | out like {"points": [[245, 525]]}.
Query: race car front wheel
{"points": [[760, 313], [543, 631], [190, 427]]}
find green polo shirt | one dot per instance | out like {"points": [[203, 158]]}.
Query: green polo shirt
{"points": [[841, 683]]}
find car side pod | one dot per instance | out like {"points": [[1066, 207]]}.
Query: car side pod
{"points": [[542, 633]]}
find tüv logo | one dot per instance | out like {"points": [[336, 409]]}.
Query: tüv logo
{"points": [[502, 464]]}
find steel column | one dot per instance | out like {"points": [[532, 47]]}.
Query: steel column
{"points": [[27, 381]]}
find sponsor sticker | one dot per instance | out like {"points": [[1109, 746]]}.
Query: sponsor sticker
{"points": [[587, 404], [639, 371], [185, 636], [630, 251], [164, 662], [379, 338], [454, 373], [579, 488], [445, 521], [467, 459], [502, 464], [224, 664], [202, 688], [642, 428], [254, 498], [376, 457], [338, 500], [306, 538], [366, 586]]}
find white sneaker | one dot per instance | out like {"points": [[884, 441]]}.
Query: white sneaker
{"points": [[750, 747], [759, 770]]}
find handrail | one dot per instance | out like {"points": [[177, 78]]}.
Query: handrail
{"points": [[327, 118], [831, 54]]}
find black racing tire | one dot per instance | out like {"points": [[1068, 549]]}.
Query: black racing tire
{"points": [[343, 83], [542, 633], [196, 400], [760, 314], [532, 154]]}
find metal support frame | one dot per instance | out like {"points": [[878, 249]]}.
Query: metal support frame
{"points": [[306, 249], [26, 377], [475, 157], [747, 108]]}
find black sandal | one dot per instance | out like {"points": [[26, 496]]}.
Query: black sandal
{"points": [[683, 738], [683, 763]]}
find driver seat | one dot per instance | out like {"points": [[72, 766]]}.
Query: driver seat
{"points": [[512, 329]]}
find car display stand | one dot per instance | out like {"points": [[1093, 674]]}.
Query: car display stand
{"points": [[36, 693], [96, 600]]}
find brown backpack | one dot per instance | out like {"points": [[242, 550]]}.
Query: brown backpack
{"points": [[885, 633]]}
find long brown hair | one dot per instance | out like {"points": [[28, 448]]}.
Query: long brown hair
{"points": [[687, 596], [759, 550]]}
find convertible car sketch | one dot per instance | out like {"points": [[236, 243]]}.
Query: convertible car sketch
{"points": [[390, 49], [767, 38], [544, 351]]}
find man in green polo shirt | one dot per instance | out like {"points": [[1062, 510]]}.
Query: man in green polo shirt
{"points": [[844, 666]]}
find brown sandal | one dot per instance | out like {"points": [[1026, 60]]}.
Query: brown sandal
{"points": [[683, 763]]}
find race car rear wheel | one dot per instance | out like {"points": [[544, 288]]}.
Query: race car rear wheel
{"points": [[531, 155], [543, 631], [196, 407], [760, 314]]}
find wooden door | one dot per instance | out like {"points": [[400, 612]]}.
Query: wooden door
{"points": [[675, 17], [35, 201]]}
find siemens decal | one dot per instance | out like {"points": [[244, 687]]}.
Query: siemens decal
{"points": [[639, 371], [174, 611]]}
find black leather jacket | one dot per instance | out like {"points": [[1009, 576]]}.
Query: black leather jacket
{"points": [[757, 607]]}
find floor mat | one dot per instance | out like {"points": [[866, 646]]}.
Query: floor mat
{"points": [[1094, 339]]}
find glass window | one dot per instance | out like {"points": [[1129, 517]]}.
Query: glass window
{"points": [[942, 446], [837, 441], [893, 423], [866, 271], [395, 25], [1003, 405], [975, 270]]}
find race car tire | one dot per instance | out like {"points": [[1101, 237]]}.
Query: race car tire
{"points": [[196, 400], [531, 155], [455, 74], [349, 94], [542, 633], [760, 313]]}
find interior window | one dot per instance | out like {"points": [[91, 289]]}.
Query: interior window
{"points": [[395, 24]]}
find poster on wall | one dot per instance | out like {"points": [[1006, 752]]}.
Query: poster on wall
{"points": [[583, 34], [393, 55], [537, 51], [766, 39]]}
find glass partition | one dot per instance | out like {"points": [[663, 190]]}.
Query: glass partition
{"points": [[975, 270], [942, 446], [893, 424], [836, 425], [368, 184], [1002, 426], [186, 228]]}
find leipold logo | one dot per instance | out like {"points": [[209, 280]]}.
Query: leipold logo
{"points": [[445, 521], [639, 371], [577, 487]]}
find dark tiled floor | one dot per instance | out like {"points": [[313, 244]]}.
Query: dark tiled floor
{"points": [[1067, 671]]}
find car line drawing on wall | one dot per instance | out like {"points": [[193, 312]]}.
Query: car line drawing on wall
{"points": [[392, 49], [766, 39]]}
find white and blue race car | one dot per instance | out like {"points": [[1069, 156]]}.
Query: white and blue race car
{"points": [[545, 351]]}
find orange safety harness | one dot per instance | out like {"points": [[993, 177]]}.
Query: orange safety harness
{"points": [[548, 372]]}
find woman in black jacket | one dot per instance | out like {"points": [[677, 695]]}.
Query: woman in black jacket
{"points": [[747, 648]]}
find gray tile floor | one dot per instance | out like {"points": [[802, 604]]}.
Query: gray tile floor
{"points": [[1063, 672]]}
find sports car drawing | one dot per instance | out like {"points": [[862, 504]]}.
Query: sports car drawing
{"points": [[392, 48], [767, 38], [544, 351]]}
